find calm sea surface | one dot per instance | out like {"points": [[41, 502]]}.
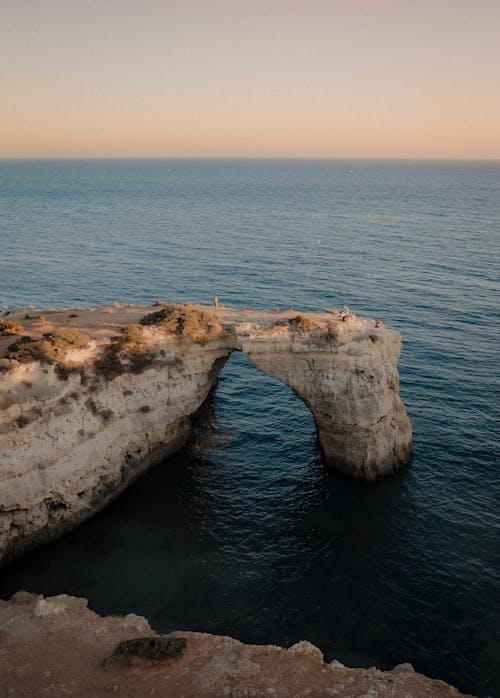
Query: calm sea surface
{"points": [[246, 532]]}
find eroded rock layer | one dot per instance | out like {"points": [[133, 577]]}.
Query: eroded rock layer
{"points": [[57, 647], [90, 399]]}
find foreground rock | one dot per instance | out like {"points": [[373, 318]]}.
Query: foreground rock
{"points": [[58, 647], [90, 399]]}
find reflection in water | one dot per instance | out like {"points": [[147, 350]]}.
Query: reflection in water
{"points": [[246, 533]]}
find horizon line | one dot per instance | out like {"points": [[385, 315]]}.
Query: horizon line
{"points": [[248, 157]]}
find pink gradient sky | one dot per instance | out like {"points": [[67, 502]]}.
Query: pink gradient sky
{"points": [[234, 78]]}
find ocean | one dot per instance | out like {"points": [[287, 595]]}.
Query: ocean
{"points": [[246, 532]]}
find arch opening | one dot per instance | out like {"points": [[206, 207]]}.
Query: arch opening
{"points": [[250, 409]]}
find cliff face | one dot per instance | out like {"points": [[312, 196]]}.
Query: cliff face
{"points": [[96, 399], [57, 647]]}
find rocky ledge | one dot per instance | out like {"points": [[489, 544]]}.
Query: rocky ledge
{"points": [[57, 647], [90, 399]]}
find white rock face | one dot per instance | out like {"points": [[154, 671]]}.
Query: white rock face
{"points": [[351, 385], [71, 441]]}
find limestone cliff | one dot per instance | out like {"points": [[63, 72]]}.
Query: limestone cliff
{"points": [[91, 399], [58, 647]]}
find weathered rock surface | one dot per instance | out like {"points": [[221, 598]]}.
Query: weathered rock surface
{"points": [[81, 418], [57, 647]]}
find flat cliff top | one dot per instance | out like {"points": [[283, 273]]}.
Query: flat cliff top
{"points": [[102, 323]]}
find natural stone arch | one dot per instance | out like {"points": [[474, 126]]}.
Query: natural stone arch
{"points": [[362, 426], [76, 432]]}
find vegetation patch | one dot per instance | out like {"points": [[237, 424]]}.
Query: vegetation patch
{"points": [[309, 326], [52, 349], [155, 648], [186, 321], [128, 351], [12, 327], [303, 324]]}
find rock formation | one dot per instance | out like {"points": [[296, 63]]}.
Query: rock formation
{"points": [[57, 647], [90, 399]]}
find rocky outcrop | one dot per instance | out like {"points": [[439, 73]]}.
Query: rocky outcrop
{"points": [[91, 399], [56, 646]]}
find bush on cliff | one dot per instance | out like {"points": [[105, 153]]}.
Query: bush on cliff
{"points": [[131, 340], [153, 648], [12, 327], [308, 326], [128, 351], [51, 349], [303, 324], [185, 321]]}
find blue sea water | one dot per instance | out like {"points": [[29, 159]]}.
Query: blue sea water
{"points": [[246, 532]]}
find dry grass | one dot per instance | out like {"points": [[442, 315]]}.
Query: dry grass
{"points": [[128, 351], [309, 326], [52, 349], [131, 340], [303, 324], [12, 327], [186, 321]]}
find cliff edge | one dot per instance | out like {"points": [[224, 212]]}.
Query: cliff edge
{"points": [[57, 647]]}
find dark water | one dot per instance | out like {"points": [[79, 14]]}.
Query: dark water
{"points": [[247, 533]]}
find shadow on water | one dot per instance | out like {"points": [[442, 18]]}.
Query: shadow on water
{"points": [[246, 533]]}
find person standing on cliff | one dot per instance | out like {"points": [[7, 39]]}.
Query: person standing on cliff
{"points": [[216, 302], [344, 313]]}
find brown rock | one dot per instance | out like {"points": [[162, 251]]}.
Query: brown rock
{"points": [[56, 647]]}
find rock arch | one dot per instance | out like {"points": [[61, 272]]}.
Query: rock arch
{"points": [[74, 434], [353, 395]]}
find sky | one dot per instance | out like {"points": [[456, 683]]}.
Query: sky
{"points": [[250, 78]]}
